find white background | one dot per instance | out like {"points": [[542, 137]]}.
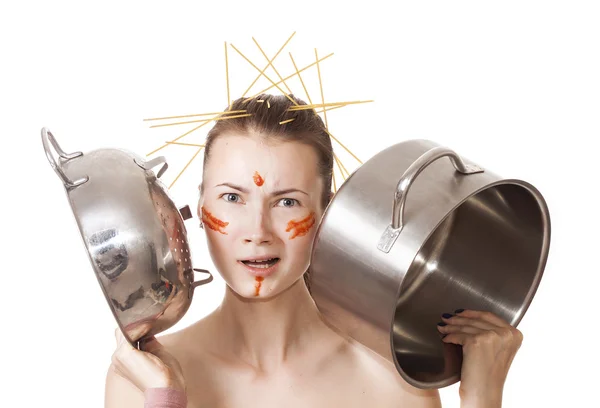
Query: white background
{"points": [[513, 85]]}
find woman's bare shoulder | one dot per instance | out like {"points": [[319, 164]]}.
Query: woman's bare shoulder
{"points": [[379, 377], [186, 343], [191, 347]]}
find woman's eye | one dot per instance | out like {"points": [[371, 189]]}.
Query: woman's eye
{"points": [[288, 202], [231, 197]]}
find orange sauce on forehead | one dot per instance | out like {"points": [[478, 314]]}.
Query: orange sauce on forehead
{"points": [[258, 180], [301, 227], [213, 222], [259, 280]]}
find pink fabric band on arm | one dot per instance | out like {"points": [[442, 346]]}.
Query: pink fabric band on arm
{"points": [[165, 398]]}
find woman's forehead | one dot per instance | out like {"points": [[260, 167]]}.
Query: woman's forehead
{"points": [[236, 158]]}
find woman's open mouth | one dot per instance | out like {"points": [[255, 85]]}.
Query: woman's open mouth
{"points": [[261, 264], [261, 267]]}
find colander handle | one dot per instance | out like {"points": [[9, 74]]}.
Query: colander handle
{"points": [[202, 281], [391, 233], [47, 139], [153, 163]]}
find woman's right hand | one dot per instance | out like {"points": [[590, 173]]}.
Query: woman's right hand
{"points": [[152, 368]]}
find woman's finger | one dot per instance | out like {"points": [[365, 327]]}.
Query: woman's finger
{"points": [[466, 329], [122, 342], [117, 371], [119, 336], [461, 320], [456, 338], [485, 316]]}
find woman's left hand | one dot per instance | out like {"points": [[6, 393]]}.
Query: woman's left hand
{"points": [[489, 346]]}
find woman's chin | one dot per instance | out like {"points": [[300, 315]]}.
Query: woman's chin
{"points": [[252, 291], [261, 289]]}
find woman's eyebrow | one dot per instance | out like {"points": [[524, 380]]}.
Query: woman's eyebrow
{"points": [[235, 187], [287, 191], [274, 193]]}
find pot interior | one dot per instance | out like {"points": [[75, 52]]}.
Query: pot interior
{"points": [[487, 254]]}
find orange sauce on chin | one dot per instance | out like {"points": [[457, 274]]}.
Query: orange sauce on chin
{"points": [[259, 280]]}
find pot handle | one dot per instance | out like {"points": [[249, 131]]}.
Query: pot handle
{"points": [[153, 163], [202, 281], [47, 139], [388, 238]]}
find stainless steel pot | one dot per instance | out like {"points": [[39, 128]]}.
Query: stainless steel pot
{"points": [[418, 231], [133, 233]]}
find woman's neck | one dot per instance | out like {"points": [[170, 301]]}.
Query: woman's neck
{"points": [[267, 333]]}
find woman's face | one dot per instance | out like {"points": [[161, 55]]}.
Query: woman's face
{"points": [[260, 210]]}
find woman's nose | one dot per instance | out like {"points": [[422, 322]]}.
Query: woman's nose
{"points": [[259, 231]]}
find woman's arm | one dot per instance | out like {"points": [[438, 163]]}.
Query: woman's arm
{"points": [[165, 398], [134, 376], [120, 393], [489, 346]]}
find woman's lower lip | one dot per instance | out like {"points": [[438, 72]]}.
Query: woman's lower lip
{"points": [[264, 272]]}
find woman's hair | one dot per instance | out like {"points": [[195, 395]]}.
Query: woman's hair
{"points": [[265, 114]]}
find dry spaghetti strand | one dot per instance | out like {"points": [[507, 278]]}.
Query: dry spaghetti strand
{"points": [[342, 164], [330, 109], [312, 106], [185, 134], [292, 75], [321, 86], [334, 185], [227, 76], [345, 148], [185, 144], [197, 114], [304, 86], [300, 77], [186, 166], [203, 120], [324, 105], [337, 161], [265, 75], [271, 64]]}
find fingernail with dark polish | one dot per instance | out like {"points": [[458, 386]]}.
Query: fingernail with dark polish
{"points": [[459, 310], [441, 324], [446, 315]]}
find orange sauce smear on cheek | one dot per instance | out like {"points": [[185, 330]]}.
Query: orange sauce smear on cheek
{"points": [[213, 222], [259, 280], [301, 227], [258, 180]]}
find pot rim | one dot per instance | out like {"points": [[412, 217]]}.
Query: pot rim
{"points": [[544, 212]]}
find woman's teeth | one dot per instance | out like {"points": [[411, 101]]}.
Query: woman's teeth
{"points": [[262, 264]]}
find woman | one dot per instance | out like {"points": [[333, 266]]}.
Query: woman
{"points": [[265, 187]]}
